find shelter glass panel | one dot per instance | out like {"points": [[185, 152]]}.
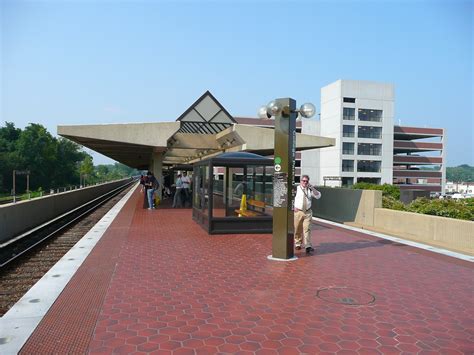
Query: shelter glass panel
{"points": [[233, 192], [218, 196], [201, 189]]}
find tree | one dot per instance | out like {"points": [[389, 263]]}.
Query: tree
{"points": [[9, 158], [102, 172], [461, 173], [87, 168], [8, 137], [68, 158], [36, 148]]}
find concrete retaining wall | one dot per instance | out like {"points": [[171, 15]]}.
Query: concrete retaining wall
{"points": [[21, 216], [363, 209], [450, 233], [347, 205]]}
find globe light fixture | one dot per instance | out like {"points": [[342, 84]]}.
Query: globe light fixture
{"points": [[273, 108], [307, 110], [262, 113]]}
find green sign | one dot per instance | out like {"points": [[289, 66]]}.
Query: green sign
{"points": [[277, 160]]}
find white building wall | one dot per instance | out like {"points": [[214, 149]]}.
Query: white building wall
{"points": [[331, 126], [368, 95]]}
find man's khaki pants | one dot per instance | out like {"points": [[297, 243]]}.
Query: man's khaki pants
{"points": [[303, 228]]}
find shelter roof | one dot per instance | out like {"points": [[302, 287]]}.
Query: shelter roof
{"points": [[205, 129]]}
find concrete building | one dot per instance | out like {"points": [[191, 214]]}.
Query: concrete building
{"points": [[466, 188], [359, 115], [419, 161]]}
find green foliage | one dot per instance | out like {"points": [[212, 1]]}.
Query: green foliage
{"points": [[387, 190], [68, 157], [461, 209], [462, 173], [87, 167], [36, 148], [392, 203], [52, 162], [107, 172]]}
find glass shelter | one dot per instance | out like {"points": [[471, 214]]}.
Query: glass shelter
{"points": [[232, 193]]}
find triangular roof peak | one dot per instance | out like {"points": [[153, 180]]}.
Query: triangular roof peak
{"points": [[208, 110]]}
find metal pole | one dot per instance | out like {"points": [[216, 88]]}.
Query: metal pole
{"points": [[284, 159], [14, 192], [28, 185]]}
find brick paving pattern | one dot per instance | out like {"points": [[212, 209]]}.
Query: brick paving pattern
{"points": [[157, 283]]}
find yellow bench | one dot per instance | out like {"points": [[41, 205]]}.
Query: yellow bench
{"points": [[252, 213]]}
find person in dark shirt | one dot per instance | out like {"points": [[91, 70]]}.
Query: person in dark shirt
{"points": [[151, 184]]}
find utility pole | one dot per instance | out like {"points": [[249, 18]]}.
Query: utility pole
{"points": [[14, 192]]}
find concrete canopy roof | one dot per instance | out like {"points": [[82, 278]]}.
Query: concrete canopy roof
{"points": [[205, 129], [131, 144]]}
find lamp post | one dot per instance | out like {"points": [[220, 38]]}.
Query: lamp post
{"points": [[21, 172], [14, 186], [285, 113]]}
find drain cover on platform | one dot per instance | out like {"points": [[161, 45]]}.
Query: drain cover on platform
{"points": [[346, 295]]}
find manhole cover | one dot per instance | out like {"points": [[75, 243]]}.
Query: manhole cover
{"points": [[346, 295], [5, 340]]}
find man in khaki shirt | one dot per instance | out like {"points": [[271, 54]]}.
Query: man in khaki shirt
{"points": [[303, 213]]}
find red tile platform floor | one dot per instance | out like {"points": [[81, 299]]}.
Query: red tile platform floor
{"points": [[157, 283]]}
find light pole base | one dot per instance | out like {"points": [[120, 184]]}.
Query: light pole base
{"points": [[269, 257]]}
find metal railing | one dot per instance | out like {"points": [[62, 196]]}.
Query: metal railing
{"points": [[32, 195]]}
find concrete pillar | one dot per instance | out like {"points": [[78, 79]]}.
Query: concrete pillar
{"points": [[156, 167]]}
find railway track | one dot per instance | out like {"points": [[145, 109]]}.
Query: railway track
{"points": [[30, 262]]}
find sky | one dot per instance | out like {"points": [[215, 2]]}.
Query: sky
{"points": [[103, 61]]}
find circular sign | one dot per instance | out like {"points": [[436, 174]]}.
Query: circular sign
{"points": [[277, 167], [277, 160]]}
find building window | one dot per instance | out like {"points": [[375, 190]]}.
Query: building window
{"points": [[348, 148], [347, 181], [348, 165], [348, 131], [368, 166], [348, 113], [369, 132], [370, 115], [349, 99], [375, 181], [369, 149]]}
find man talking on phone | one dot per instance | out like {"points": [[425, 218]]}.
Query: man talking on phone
{"points": [[303, 213]]}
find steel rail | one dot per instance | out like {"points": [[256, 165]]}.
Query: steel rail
{"points": [[58, 224]]}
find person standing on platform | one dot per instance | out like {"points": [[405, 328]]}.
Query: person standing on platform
{"points": [[186, 181], [152, 185], [303, 213], [142, 183], [145, 190], [178, 199]]}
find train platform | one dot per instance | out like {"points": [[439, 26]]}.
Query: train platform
{"points": [[157, 283]]}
